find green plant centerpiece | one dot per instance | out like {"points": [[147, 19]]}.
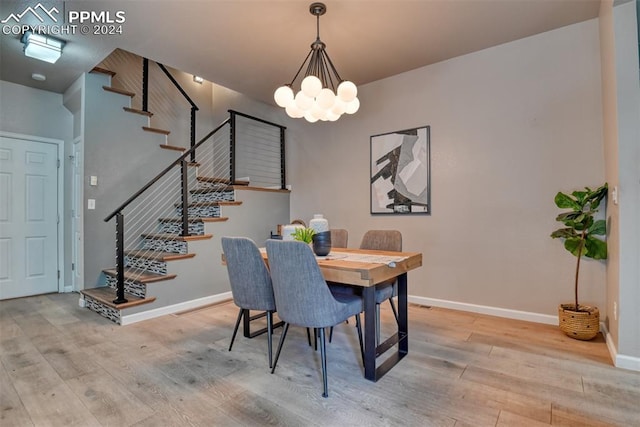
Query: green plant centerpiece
{"points": [[303, 234], [579, 234]]}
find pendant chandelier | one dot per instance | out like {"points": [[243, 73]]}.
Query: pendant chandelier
{"points": [[318, 98]]}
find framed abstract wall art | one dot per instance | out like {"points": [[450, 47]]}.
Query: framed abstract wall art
{"points": [[401, 172]]}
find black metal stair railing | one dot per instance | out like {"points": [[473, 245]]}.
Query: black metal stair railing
{"points": [[145, 99], [158, 216], [164, 196]]}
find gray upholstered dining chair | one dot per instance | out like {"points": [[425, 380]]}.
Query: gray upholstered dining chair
{"points": [[250, 283], [303, 297], [381, 240], [384, 240], [339, 237]]}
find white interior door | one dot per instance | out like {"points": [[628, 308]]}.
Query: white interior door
{"points": [[28, 217]]}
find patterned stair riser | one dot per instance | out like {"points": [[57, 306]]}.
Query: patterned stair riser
{"points": [[218, 186], [202, 211], [151, 265], [161, 245], [173, 227], [134, 288], [103, 310], [213, 196]]}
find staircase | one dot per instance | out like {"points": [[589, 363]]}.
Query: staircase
{"points": [[164, 245]]}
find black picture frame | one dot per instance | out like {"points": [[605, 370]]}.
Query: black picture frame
{"points": [[400, 172]]}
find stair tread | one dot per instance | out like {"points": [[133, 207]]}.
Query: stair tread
{"points": [[100, 70], [216, 180], [156, 130], [157, 255], [196, 219], [161, 236], [119, 91], [136, 111], [172, 147], [106, 295], [140, 275]]}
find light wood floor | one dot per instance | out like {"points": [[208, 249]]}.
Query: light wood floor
{"points": [[63, 365]]}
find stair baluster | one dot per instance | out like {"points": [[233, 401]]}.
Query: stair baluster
{"points": [[185, 197], [120, 299]]}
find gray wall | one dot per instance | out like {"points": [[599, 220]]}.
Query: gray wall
{"points": [[510, 126], [36, 112], [621, 118], [171, 111], [123, 157]]}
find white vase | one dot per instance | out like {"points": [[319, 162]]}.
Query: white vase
{"points": [[288, 230], [319, 223]]}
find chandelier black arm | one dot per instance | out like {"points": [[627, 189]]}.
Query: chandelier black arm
{"points": [[327, 79], [333, 68], [300, 69]]}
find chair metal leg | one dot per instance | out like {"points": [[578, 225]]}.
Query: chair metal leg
{"points": [[330, 334], [282, 337], [309, 337], [269, 334], [235, 330], [323, 357], [393, 308], [359, 328]]}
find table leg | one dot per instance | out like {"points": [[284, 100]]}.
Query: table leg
{"points": [[403, 321], [372, 349], [247, 318], [246, 323], [369, 297]]}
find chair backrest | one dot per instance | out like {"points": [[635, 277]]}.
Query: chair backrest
{"points": [[248, 275], [382, 240], [302, 295], [339, 237]]}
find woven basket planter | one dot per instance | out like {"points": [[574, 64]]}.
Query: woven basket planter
{"points": [[581, 325]]}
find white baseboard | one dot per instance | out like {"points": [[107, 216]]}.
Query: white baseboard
{"points": [[484, 309], [619, 360], [170, 309]]}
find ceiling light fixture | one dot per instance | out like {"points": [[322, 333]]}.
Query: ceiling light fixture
{"points": [[318, 98], [41, 47], [198, 79]]}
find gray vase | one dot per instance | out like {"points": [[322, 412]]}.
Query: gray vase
{"points": [[322, 243]]}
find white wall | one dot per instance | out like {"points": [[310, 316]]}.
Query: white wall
{"points": [[33, 112], [510, 126]]}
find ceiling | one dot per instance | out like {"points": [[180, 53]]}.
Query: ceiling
{"points": [[254, 46]]}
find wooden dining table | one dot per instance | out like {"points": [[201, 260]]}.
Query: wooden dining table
{"points": [[358, 268]]}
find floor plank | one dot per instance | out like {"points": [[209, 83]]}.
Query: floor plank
{"points": [[64, 365]]}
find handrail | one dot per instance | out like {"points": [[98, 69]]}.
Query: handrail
{"points": [[164, 172], [232, 158], [177, 85], [256, 119]]}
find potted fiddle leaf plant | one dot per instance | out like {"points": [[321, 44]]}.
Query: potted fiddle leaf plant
{"points": [[580, 233]]}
